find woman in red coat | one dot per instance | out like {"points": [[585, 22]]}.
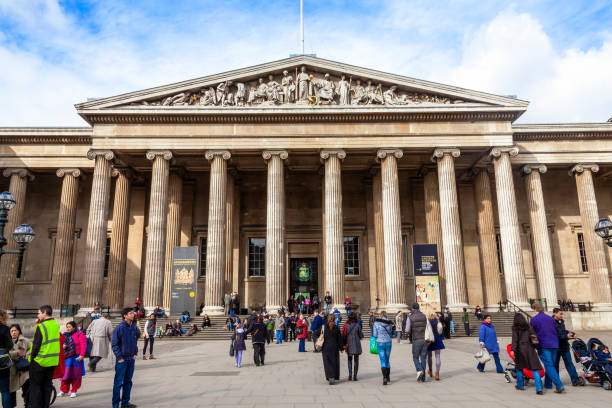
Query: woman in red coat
{"points": [[74, 348], [302, 329]]}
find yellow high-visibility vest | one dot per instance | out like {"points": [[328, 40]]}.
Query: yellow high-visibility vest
{"points": [[48, 355]]}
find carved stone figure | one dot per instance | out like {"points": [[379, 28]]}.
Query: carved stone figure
{"points": [[224, 96], [326, 90], [391, 98], [359, 94], [208, 98], [259, 94], [374, 94], [344, 88], [303, 80], [274, 90], [178, 99], [240, 98], [288, 88]]}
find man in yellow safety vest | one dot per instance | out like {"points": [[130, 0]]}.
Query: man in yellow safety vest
{"points": [[44, 357]]}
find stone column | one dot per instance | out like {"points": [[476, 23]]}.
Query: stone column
{"points": [[275, 230], [334, 227], [8, 267], [64, 238], [95, 246], [452, 241], [433, 222], [487, 239], [156, 239], [514, 269], [542, 252], [593, 244], [379, 235], [392, 225], [215, 245], [173, 231], [115, 285]]}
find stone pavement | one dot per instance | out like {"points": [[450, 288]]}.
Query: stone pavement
{"points": [[201, 374]]}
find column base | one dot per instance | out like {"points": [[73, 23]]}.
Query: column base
{"points": [[602, 307], [491, 308], [525, 306], [393, 308], [273, 310], [457, 307], [213, 310]]}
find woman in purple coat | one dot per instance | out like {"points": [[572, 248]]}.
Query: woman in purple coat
{"points": [[239, 337], [435, 346]]}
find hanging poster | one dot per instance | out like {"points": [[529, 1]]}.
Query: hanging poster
{"points": [[426, 277], [184, 276]]}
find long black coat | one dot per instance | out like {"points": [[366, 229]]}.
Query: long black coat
{"points": [[332, 345], [525, 355]]}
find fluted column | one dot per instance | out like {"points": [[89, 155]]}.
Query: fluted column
{"points": [[156, 239], [487, 240], [392, 229], [433, 222], [64, 238], [95, 246], [275, 230], [452, 241], [334, 226], [381, 282], [542, 252], [8, 267], [512, 255], [115, 285], [215, 245], [173, 231], [593, 244]]}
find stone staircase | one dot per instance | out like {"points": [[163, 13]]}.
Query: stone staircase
{"points": [[501, 320]]}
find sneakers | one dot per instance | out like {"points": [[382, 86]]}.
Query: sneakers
{"points": [[73, 395], [420, 376], [61, 394]]}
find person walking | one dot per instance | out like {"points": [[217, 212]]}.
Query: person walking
{"points": [[382, 331], [315, 328], [347, 306], [328, 303], [524, 354], [125, 348], [74, 346], [258, 338], [279, 325], [19, 379], [316, 303], [332, 346], [100, 332], [487, 337], [150, 330], [399, 326], [6, 345], [43, 357], [352, 340], [465, 318], [564, 348], [302, 333], [371, 319], [546, 329], [239, 337], [292, 326], [436, 346], [450, 325], [415, 327], [269, 322]]}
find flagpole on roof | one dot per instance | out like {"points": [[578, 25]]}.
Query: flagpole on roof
{"points": [[302, 24]]}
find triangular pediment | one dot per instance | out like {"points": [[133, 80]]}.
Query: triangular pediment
{"points": [[297, 82]]}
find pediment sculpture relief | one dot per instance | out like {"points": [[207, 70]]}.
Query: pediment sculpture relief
{"points": [[300, 88]]}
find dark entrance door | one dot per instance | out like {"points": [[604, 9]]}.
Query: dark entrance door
{"points": [[303, 277]]}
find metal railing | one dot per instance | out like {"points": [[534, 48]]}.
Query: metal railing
{"points": [[24, 313]]}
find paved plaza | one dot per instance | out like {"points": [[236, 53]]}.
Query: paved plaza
{"points": [[201, 374]]}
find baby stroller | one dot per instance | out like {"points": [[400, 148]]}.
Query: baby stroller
{"points": [[510, 371], [594, 371]]}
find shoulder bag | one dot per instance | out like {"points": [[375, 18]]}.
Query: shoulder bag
{"points": [[320, 340], [5, 360], [429, 335]]}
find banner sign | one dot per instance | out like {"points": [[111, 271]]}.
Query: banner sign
{"points": [[184, 280], [426, 277]]}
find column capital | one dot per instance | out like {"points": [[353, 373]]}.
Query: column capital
{"points": [[267, 154], [528, 168], [381, 154], [22, 172], [441, 152], [326, 153], [69, 172], [210, 154], [496, 152], [164, 154], [107, 154], [126, 171], [581, 167]]}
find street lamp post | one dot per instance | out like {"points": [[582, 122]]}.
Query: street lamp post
{"points": [[603, 228], [23, 234]]}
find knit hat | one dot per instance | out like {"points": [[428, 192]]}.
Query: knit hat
{"points": [[415, 306]]}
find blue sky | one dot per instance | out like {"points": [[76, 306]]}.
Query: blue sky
{"points": [[53, 54]]}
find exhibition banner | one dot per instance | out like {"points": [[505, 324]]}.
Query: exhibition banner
{"points": [[184, 280], [426, 277]]}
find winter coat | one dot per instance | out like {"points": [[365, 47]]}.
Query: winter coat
{"points": [[487, 336], [562, 333], [6, 343], [437, 344], [80, 342], [270, 324], [280, 323], [399, 322], [100, 332], [525, 355], [304, 326], [18, 378], [546, 329], [317, 323], [257, 332], [382, 330], [150, 328], [352, 337], [125, 340], [418, 323], [239, 337]]}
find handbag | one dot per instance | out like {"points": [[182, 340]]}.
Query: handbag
{"points": [[429, 336], [320, 340], [89, 347], [22, 364], [231, 352], [482, 355], [5, 360], [373, 345], [533, 337], [350, 338]]}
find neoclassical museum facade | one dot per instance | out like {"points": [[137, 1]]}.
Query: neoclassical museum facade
{"points": [[308, 163]]}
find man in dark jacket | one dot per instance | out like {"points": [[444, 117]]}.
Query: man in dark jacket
{"points": [[125, 348], [564, 348], [415, 327], [258, 338], [315, 328]]}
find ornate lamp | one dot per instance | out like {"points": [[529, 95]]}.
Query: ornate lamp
{"points": [[7, 201], [23, 234], [603, 228]]}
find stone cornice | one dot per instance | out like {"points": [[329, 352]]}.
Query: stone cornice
{"points": [[528, 168], [19, 171], [27, 135], [571, 131], [581, 167]]}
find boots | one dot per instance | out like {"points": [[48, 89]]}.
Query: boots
{"points": [[356, 369], [350, 369], [384, 373], [388, 374]]}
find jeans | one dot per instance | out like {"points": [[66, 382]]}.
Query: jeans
{"points": [[123, 380], [520, 379], [279, 337], [6, 395], [466, 326], [232, 313], [238, 358], [348, 311], [301, 307], [259, 353], [419, 354], [302, 347], [548, 357], [384, 353], [148, 340], [498, 366], [569, 365]]}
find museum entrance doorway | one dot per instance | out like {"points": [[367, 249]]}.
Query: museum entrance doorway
{"points": [[303, 277]]}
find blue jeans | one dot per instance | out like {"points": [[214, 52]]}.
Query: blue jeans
{"points": [[232, 313], [569, 365], [520, 379], [123, 380], [498, 365], [279, 337], [384, 353], [6, 395], [348, 311], [548, 357], [419, 354], [301, 307], [302, 346]]}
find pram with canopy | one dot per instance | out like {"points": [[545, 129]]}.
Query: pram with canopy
{"points": [[594, 371]]}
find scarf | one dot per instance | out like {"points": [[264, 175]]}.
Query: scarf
{"points": [[487, 324]]}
